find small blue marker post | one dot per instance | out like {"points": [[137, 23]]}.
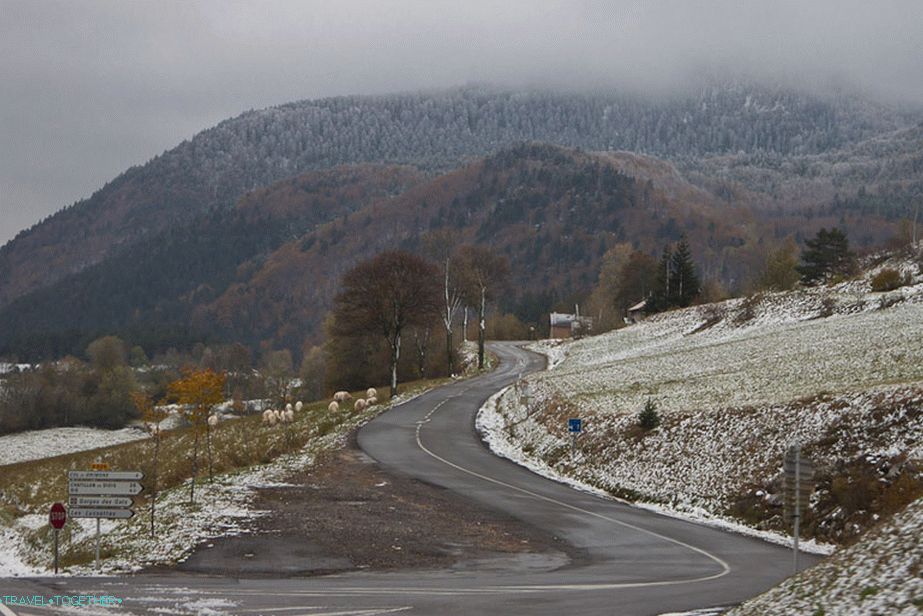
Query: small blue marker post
{"points": [[575, 427]]}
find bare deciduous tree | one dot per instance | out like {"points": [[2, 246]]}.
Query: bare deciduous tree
{"points": [[440, 246], [482, 272], [384, 296]]}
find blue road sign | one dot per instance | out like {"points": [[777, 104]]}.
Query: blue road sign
{"points": [[575, 425]]}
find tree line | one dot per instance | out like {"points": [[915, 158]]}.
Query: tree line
{"points": [[629, 277]]}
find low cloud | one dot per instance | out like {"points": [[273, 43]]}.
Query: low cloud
{"points": [[90, 88]]}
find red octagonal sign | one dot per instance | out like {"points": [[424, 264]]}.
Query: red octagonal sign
{"points": [[57, 516]]}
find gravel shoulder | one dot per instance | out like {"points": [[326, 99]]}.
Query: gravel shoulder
{"points": [[347, 514]]}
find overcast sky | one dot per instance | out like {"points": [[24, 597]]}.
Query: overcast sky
{"points": [[89, 88]]}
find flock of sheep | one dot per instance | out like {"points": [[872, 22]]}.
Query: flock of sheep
{"points": [[273, 417]]}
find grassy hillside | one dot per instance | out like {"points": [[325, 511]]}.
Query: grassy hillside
{"points": [[839, 370], [245, 454]]}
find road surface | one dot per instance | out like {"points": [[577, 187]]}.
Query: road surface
{"points": [[627, 560]]}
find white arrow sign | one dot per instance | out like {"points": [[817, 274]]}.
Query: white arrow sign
{"points": [[100, 501], [105, 475], [120, 514], [105, 488]]}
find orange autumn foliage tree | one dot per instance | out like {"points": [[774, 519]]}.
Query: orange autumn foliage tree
{"points": [[198, 391]]}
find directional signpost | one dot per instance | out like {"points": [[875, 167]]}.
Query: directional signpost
{"points": [[799, 484], [108, 488], [102, 493]]}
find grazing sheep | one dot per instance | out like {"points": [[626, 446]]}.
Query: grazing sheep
{"points": [[371, 392], [212, 420], [333, 407], [267, 417], [360, 404], [372, 401], [288, 416], [342, 396], [298, 406], [278, 415], [288, 406]]}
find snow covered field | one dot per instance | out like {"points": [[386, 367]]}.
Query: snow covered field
{"points": [[839, 370], [37, 444]]}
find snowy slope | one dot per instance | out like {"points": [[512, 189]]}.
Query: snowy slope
{"points": [[839, 370], [879, 575]]}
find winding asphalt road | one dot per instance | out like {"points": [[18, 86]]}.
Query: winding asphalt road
{"points": [[627, 560]]}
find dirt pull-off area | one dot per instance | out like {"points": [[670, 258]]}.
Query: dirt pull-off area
{"points": [[346, 513]]}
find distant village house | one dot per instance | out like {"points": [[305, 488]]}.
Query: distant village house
{"points": [[570, 325]]}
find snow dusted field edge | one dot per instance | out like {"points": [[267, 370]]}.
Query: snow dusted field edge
{"points": [[491, 425], [224, 508]]}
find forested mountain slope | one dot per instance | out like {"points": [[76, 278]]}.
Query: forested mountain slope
{"points": [[265, 273], [435, 131]]}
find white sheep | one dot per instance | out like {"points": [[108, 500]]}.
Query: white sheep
{"points": [[371, 392], [288, 406], [288, 416], [333, 407], [212, 420], [267, 416], [298, 406], [342, 396], [372, 401], [278, 415], [360, 404]]}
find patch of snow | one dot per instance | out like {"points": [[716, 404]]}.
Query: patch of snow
{"points": [[37, 444], [878, 575]]}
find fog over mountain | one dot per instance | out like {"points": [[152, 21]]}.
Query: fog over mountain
{"points": [[91, 88]]}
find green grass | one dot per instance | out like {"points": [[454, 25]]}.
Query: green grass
{"points": [[869, 591]]}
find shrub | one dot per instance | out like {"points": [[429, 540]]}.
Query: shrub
{"points": [[648, 418], [887, 280], [827, 307]]}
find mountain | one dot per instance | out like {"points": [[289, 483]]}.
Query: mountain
{"points": [[266, 271], [433, 131]]}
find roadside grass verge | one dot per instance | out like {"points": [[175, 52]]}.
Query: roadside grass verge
{"points": [[238, 447]]}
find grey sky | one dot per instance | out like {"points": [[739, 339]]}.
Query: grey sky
{"points": [[88, 89]]}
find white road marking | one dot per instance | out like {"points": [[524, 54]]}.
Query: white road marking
{"points": [[725, 568], [360, 591], [356, 612], [6, 611]]}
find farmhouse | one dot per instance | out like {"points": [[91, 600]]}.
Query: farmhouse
{"points": [[636, 312]]}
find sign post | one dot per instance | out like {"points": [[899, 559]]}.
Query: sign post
{"points": [[102, 493], [575, 427], [799, 484], [57, 516]]}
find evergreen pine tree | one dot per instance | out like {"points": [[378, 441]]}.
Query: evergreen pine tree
{"points": [[684, 281], [825, 256], [649, 418]]}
